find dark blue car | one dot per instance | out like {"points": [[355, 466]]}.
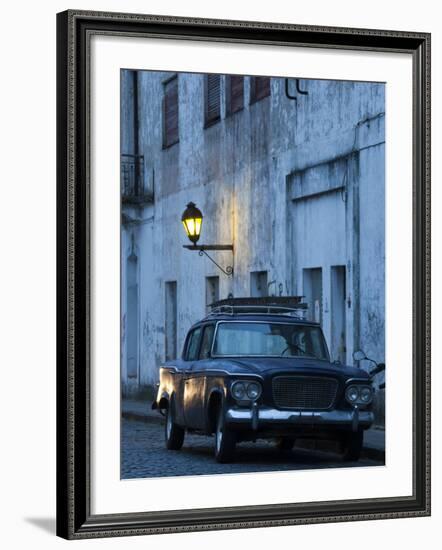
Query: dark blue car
{"points": [[262, 372]]}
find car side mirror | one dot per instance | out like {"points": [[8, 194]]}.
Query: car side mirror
{"points": [[359, 355]]}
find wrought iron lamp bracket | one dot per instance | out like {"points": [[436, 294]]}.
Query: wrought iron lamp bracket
{"points": [[202, 251]]}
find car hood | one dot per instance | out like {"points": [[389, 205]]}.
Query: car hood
{"points": [[274, 365]]}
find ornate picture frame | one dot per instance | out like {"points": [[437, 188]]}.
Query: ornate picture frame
{"points": [[75, 519]]}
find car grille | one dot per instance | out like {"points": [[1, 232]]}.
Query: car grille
{"points": [[304, 392]]}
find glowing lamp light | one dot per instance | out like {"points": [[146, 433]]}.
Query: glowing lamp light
{"points": [[192, 219]]}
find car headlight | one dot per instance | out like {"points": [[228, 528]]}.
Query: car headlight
{"points": [[352, 394], [246, 391], [366, 394], [253, 390], [239, 390], [359, 395]]}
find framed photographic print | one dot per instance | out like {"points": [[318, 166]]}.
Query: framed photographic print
{"points": [[243, 274]]}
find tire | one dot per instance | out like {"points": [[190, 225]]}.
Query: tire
{"points": [[174, 434], [285, 444], [225, 440], [351, 446]]}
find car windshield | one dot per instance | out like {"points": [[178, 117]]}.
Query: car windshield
{"points": [[264, 339]]}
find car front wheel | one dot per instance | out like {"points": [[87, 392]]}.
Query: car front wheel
{"points": [[174, 434], [225, 440]]}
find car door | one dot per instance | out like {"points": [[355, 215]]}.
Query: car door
{"points": [[195, 383], [189, 397], [180, 375]]}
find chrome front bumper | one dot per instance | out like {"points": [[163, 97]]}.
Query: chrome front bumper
{"points": [[262, 417]]}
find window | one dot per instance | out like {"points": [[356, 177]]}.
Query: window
{"points": [[259, 88], [234, 93], [193, 345], [170, 112], [206, 343], [244, 339], [212, 109]]}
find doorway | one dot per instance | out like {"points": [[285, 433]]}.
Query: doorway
{"points": [[212, 291], [258, 284], [171, 320], [338, 321], [312, 285], [132, 316]]}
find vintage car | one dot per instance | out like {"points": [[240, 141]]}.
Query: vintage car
{"points": [[262, 372]]}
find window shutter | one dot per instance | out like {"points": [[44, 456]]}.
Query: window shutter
{"points": [[171, 130], [236, 90], [260, 87], [213, 98]]}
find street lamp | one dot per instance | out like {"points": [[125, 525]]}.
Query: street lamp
{"points": [[192, 219]]}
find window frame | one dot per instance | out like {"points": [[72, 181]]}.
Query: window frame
{"points": [[209, 326], [253, 98], [212, 121], [165, 143], [228, 93], [189, 340]]}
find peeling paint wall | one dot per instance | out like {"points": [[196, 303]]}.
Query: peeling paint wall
{"points": [[292, 184]]}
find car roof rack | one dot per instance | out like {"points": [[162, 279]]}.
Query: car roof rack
{"points": [[271, 305]]}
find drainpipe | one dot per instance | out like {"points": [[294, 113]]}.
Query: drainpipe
{"points": [[356, 252], [136, 129]]}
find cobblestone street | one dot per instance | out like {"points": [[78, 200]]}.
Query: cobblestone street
{"points": [[144, 455]]}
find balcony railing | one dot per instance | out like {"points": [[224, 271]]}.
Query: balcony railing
{"points": [[136, 188]]}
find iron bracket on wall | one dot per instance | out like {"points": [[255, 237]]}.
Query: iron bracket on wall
{"points": [[202, 251]]}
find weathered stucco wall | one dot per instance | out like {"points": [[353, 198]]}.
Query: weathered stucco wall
{"points": [[294, 185]]}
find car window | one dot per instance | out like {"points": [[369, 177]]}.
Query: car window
{"points": [[193, 346], [206, 343], [242, 339]]}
